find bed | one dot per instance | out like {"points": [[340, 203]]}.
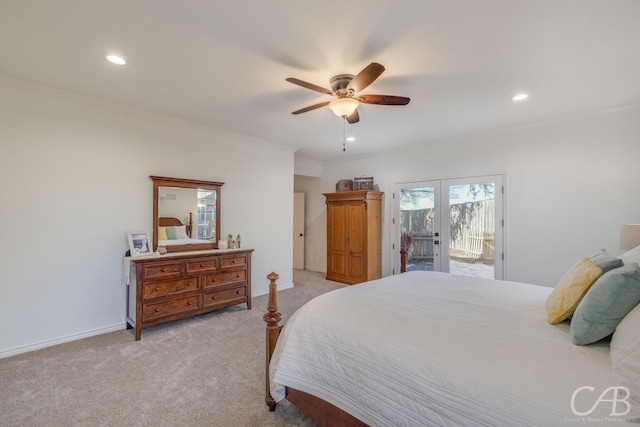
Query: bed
{"points": [[429, 348], [176, 236]]}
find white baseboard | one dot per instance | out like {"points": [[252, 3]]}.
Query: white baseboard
{"points": [[266, 291], [318, 269], [49, 343]]}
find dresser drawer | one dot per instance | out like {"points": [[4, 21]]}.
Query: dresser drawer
{"points": [[160, 271], [233, 295], [226, 278], [202, 265], [166, 308], [158, 289], [234, 261]]}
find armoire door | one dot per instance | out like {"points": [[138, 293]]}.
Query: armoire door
{"points": [[336, 240], [357, 242]]}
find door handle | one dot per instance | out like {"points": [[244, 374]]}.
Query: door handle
{"points": [[436, 242], [300, 234]]}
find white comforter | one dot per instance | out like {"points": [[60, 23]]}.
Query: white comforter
{"points": [[181, 242], [435, 349]]}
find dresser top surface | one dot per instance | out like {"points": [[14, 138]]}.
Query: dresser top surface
{"points": [[190, 254]]}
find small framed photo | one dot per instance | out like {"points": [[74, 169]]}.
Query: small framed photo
{"points": [[138, 243]]}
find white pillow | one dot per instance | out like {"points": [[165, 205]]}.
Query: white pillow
{"points": [[625, 358], [631, 256], [181, 232]]}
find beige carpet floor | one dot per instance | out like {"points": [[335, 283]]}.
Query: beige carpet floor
{"points": [[202, 371]]}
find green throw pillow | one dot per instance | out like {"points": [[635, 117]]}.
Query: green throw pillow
{"points": [[605, 261], [171, 233], [604, 306]]}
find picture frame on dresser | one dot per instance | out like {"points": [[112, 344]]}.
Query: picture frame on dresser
{"points": [[138, 243]]}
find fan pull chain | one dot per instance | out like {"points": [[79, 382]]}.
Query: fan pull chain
{"points": [[344, 132]]}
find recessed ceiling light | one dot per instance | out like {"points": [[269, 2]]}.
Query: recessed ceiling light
{"points": [[351, 139], [114, 59], [520, 97]]}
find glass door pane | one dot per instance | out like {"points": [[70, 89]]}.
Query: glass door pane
{"points": [[468, 239], [417, 225], [473, 209]]}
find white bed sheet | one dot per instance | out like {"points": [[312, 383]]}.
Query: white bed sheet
{"points": [[181, 242], [428, 348]]}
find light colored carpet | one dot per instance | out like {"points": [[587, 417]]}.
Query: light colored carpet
{"points": [[201, 371]]}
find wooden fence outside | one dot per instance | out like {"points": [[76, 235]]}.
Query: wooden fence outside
{"points": [[476, 240]]}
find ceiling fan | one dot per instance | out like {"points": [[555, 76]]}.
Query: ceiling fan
{"points": [[344, 87]]}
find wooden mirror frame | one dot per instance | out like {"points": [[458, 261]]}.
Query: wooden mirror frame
{"points": [[161, 181]]}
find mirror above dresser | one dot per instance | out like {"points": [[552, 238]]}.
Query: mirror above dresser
{"points": [[186, 214]]}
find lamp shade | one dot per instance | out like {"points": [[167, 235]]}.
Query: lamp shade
{"points": [[344, 107], [629, 236]]}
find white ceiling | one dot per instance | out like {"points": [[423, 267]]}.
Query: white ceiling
{"points": [[223, 64]]}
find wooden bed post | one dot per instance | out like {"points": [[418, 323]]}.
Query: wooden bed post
{"points": [[272, 317], [403, 260], [190, 225]]}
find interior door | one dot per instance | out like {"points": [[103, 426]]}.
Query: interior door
{"points": [[298, 231]]}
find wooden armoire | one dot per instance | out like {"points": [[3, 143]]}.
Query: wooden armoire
{"points": [[354, 228]]}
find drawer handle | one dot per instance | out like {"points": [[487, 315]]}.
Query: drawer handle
{"points": [[213, 297], [238, 275], [233, 261], [189, 284], [189, 303], [157, 289], [214, 280], [163, 270], [157, 310], [201, 265], [237, 292]]}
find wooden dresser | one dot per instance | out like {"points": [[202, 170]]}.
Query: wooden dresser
{"points": [[354, 241], [178, 285]]}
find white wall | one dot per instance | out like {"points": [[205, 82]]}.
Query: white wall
{"points": [[75, 178], [569, 186]]}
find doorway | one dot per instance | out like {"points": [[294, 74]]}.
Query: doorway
{"points": [[452, 225], [298, 231]]}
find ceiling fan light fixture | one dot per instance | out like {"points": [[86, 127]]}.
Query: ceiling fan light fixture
{"points": [[344, 107], [115, 59]]}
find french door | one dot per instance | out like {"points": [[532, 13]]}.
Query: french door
{"points": [[453, 225]]}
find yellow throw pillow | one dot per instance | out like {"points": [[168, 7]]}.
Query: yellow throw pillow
{"points": [[162, 233], [570, 289]]}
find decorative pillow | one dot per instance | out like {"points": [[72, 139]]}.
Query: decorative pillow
{"points": [[608, 301], [631, 256], [625, 358], [564, 298], [605, 261], [181, 232], [171, 233], [162, 233]]}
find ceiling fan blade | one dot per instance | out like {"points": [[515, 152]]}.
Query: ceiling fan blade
{"points": [[365, 77], [384, 99], [309, 85], [354, 117], [311, 107]]}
